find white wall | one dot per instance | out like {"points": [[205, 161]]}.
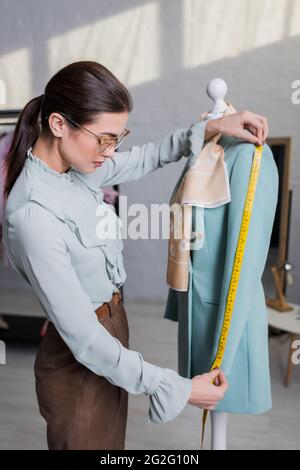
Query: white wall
{"points": [[165, 52]]}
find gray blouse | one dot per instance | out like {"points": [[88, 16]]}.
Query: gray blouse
{"points": [[51, 237]]}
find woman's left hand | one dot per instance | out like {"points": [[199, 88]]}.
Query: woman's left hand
{"points": [[245, 125]]}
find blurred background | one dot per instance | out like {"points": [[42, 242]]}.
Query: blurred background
{"points": [[165, 52]]}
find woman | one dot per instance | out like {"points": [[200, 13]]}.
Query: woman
{"points": [[61, 156]]}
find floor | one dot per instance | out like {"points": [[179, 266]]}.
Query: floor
{"points": [[21, 427]]}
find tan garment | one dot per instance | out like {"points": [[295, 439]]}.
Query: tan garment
{"points": [[205, 184], [82, 409]]}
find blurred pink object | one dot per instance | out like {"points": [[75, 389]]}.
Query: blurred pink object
{"points": [[5, 144], [110, 195], [43, 330]]}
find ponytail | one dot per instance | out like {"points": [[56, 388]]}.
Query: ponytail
{"points": [[26, 132]]}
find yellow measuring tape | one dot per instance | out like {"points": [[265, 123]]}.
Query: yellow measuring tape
{"points": [[237, 266]]}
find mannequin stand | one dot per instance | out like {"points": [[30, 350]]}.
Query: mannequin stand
{"points": [[218, 430]]}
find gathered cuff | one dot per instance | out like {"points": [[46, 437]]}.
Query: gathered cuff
{"points": [[170, 397], [195, 138]]}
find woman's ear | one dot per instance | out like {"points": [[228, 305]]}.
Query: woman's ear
{"points": [[56, 124]]}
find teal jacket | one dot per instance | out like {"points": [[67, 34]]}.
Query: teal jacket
{"points": [[200, 311]]}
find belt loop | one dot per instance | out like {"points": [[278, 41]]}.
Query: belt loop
{"points": [[115, 300], [109, 306], [118, 291], [112, 303]]}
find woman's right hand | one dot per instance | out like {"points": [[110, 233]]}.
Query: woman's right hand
{"points": [[208, 389]]}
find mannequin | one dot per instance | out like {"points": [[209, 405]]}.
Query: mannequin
{"points": [[217, 90], [200, 310]]}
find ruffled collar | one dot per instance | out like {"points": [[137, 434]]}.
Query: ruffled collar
{"points": [[47, 172], [54, 178]]}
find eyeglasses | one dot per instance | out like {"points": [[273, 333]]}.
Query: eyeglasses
{"points": [[105, 142]]}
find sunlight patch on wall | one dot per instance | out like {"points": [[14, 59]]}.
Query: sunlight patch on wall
{"points": [[295, 20], [221, 29], [126, 43], [15, 73]]}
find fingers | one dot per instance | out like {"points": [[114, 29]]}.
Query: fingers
{"points": [[208, 389], [222, 377], [213, 374], [250, 129], [220, 381], [257, 125], [223, 384], [217, 377], [254, 123], [249, 137], [246, 125], [208, 407], [254, 131], [208, 404], [217, 382], [265, 127]]}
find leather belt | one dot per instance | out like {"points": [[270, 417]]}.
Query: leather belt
{"points": [[104, 310]]}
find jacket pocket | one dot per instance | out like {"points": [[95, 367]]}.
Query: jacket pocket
{"points": [[211, 302]]}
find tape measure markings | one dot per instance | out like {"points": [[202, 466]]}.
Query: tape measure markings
{"points": [[237, 266]]}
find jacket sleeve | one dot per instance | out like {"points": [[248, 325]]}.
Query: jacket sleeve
{"points": [[36, 248], [139, 161], [257, 245]]}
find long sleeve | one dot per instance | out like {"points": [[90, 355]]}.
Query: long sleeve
{"points": [[257, 245], [139, 161], [36, 247]]}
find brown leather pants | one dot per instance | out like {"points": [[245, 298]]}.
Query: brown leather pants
{"points": [[82, 410]]}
